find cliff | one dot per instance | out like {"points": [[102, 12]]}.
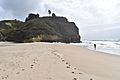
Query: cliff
{"points": [[44, 29], [7, 26]]}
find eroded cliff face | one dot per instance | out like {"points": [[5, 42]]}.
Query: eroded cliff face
{"points": [[45, 29], [7, 26]]}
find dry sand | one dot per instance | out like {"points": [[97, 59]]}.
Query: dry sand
{"points": [[43, 61]]}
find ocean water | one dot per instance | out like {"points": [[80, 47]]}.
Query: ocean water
{"points": [[111, 47]]}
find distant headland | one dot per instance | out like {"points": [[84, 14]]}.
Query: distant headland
{"points": [[39, 29]]}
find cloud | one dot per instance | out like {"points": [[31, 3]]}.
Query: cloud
{"points": [[19, 8], [86, 12], [4, 14]]}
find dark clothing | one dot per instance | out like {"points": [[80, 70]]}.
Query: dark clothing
{"points": [[95, 46]]}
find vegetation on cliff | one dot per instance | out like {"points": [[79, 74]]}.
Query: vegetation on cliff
{"points": [[40, 29]]}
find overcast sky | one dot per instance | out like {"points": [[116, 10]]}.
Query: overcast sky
{"points": [[96, 19]]}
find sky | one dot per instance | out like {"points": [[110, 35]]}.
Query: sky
{"points": [[96, 19]]}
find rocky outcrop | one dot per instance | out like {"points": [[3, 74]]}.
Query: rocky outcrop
{"points": [[7, 26], [2, 37], [45, 29], [32, 16]]}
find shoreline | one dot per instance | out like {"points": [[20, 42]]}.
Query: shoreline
{"points": [[101, 58], [98, 50], [35, 61], [105, 53], [111, 47]]}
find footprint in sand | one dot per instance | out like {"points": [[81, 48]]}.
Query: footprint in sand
{"points": [[73, 72], [23, 69], [4, 77], [80, 73], [75, 68], [91, 79], [31, 66], [35, 61], [68, 67], [74, 78], [63, 60], [18, 73], [67, 63]]}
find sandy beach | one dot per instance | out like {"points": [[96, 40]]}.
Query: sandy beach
{"points": [[45, 61]]}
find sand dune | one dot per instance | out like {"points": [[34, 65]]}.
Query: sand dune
{"points": [[44, 61]]}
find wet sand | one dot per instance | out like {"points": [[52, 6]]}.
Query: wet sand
{"points": [[44, 61]]}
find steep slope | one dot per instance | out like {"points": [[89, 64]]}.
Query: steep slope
{"points": [[46, 29], [8, 26]]}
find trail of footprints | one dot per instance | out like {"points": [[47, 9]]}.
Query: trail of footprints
{"points": [[21, 69], [35, 61], [74, 70]]}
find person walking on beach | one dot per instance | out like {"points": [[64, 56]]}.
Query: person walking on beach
{"points": [[95, 46]]}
